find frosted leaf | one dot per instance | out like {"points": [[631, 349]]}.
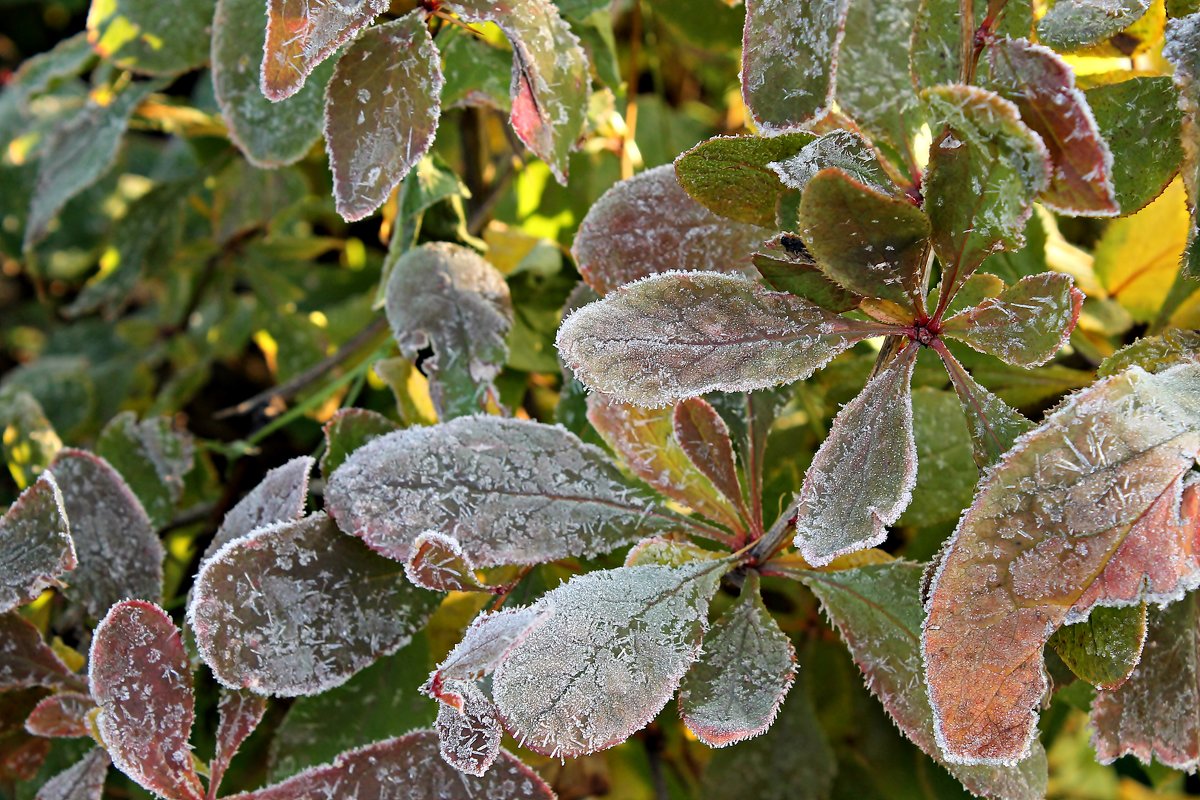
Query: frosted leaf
{"points": [[438, 563], [1026, 325], [298, 607], [550, 82], [447, 297], [152, 457], [735, 689], [847, 151], [1103, 649], [862, 477], [153, 37], [789, 58], [26, 660], [469, 736], [1072, 24], [35, 544], [349, 429], [648, 224], [486, 642], [877, 611], [937, 45], [83, 780], [1043, 87], [993, 425], [30, 442], [1154, 353], [278, 497], [983, 175], [704, 437], [659, 550], [1154, 713], [381, 112], [392, 769], [607, 660], [731, 176], [270, 134], [684, 334], [786, 266], [240, 713], [645, 441], [870, 243], [142, 682], [1182, 49], [510, 491], [303, 33], [1083, 511], [62, 716], [119, 554]]}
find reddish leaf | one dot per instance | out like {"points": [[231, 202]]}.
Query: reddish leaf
{"points": [[437, 562], [303, 33], [240, 712], [35, 544], [348, 430], [469, 734], [1085, 510], [84, 780], [704, 436], [26, 660], [278, 497], [142, 681], [21, 755], [61, 716]]}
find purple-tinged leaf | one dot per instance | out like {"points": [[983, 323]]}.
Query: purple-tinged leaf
{"points": [[298, 607], [278, 497], [704, 437], [789, 60], [1103, 649], [648, 224], [142, 682], [994, 426], [303, 33], [61, 716], [1043, 87], [469, 737], [447, 297], [152, 37], [21, 754], [1155, 714], [381, 112], [871, 244], [1072, 24], [35, 544], [985, 169], [846, 151], [119, 554], [877, 610], [349, 429], [26, 660], [1085, 510], [862, 477], [1182, 49], [684, 334], [1026, 325], [83, 780], [396, 768], [608, 659], [152, 457], [438, 563], [510, 491], [735, 689], [550, 81], [240, 713], [486, 642], [786, 266]]}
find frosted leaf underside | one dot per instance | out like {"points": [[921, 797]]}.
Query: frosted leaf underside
{"points": [[1071, 24], [303, 33], [684, 334], [510, 491], [61, 716], [469, 736], [279, 497], [298, 607], [847, 151], [83, 780], [240, 713], [1085, 510], [26, 660], [35, 544], [1182, 49], [608, 658]]}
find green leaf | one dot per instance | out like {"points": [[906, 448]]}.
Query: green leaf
{"points": [[786, 266], [993, 426], [1153, 353], [29, 442], [348, 430], [152, 37], [427, 184], [152, 457], [63, 388], [1103, 649], [477, 72], [381, 112], [945, 460], [1072, 24], [937, 46], [1183, 50], [35, 544], [301, 34]]}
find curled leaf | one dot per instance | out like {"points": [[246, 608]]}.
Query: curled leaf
{"points": [[438, 563], [704, 437], [35, 544], [1104, 648], [303, 33], [278, 497], [62, 715]]}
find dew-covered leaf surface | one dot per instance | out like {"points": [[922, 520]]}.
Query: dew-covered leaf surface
{"points": [[469, 736], [550, 82], [26, 660], [1083, 511], [240, 712], [348, 430], [1103, 649], [1072, 24], [303, 33], [734, 690], [381, 112], [142, 682], [437, 562], [35, 544], [1183, 50], [298, 607], [608, 659], [786, 266], [153, 37], [152, 457], [684, 334], [447, 297], [83, 780], [877, 610], [61, 716], [993, 424], [704, 437], [862, 477], [270, 134], [390, 770], [1026, 325], [510, 491], [789, 58], [278, 497], [1043, 87], [1154, 713], [119, 554], [649, 224], [870, 243]]}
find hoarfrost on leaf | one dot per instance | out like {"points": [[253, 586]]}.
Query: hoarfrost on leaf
{"points": [[438, 563], [1073, 24], [303, 33], [486, 642], [278, 497], [1182, 49], [63, 715], [26, 660], [35, 544], [847, 151], [153, 458], [83, 780], [240, 713], [469, 735]]}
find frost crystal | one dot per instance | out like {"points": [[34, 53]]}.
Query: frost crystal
{"points": [[83, 780], [470, 735], [278, 497], [303, 33], [61, 716], [35, 544]]}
